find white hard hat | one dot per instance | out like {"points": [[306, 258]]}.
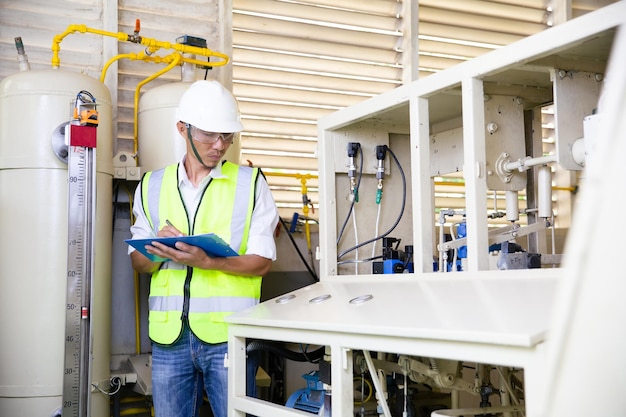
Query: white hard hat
{"points": [[209, 106]]}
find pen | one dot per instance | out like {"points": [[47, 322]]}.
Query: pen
{"points": [[169, 223]]}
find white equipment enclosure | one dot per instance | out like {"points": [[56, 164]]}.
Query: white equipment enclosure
{"points": [[481, 119]]}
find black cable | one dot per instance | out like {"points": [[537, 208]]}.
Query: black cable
{"points": [[359, 261], [84, 93], [308, 267], [281, 350], [358, 184], [115, 192], [397, 219]]}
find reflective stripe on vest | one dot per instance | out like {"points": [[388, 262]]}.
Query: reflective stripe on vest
{"points": [[201, 305], [154, 189], [226, 209]]}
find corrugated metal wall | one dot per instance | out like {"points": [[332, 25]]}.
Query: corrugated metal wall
{"points": [[296, 61]]}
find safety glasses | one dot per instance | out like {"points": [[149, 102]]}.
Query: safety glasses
{"points": [[210, 137]]}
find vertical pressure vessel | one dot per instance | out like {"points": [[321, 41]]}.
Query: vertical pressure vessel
{"points": [[34, 108]]}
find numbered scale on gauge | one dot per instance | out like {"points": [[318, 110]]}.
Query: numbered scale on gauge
{"points": [[80, 265]]}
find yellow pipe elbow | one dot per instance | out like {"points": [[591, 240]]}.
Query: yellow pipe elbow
{"points": [[57, 39], [176, 59], [112, 60]]}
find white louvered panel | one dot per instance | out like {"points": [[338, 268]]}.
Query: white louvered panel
{"points": [[464, 29], [252, 74], [309, 31], [319, 65], [581, 7], [380, 7], [297, 146], [280, 128], [361, 52], [524, 11], [326, 17], [450, 49], [64, 12], [309, 97], [264, 109], [466, 19], [534, 4], [163, 17], [428, 61], [276, 161], [468, 35]]}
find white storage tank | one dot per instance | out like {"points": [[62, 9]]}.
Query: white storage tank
{"points": [[159, 144], [33, 219]]}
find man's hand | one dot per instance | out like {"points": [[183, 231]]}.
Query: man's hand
{"points": [[144, 265], [169, 230], [183, 253]]}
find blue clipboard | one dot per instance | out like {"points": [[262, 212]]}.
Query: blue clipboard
{"points": [[211, 243]]}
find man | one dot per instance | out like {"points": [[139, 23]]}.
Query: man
{"points": [[192, 293]]}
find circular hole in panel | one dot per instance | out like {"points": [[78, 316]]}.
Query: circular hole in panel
{"points": [[285, 298], [361, 299], [319, 298]]}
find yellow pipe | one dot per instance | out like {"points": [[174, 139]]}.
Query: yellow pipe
{"points": [[143, 57], [116, 58], [175, 61], [152, 45], [56, 41], [570, 189], [305, 210], [134, 411], [285, 174], [462, 184], [137, 325], [305, 207], [155, 45], [451, 183]]}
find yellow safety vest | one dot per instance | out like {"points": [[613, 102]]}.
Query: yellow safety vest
{"points": [[203, 297]]}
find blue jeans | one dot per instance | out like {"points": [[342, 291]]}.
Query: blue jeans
{"points": [[182, 371]]}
